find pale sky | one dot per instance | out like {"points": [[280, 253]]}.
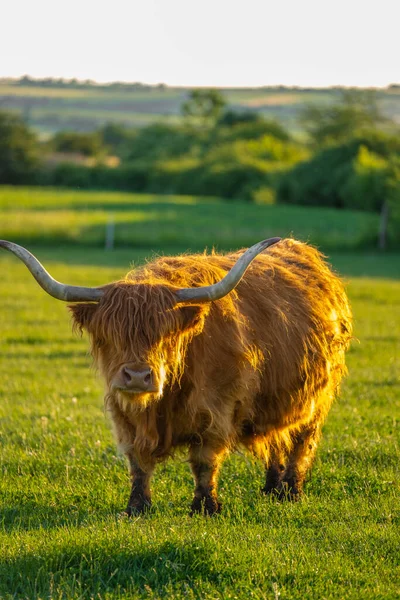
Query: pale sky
{"points": [[204, 43]]}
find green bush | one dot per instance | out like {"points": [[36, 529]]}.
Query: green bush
{"points": [[270, 148], [346, 175], [230, 180], [264, 195], [162, 141], [19, 156], [355, 111], [115, 137], [133, 177], [88, 144], [69, 175], [393, 201], [251, 130], [366, 186], [183, 163], [237, 117], [228, 170]]}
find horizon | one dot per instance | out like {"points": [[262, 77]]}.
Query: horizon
{"points": [[88, 81]]}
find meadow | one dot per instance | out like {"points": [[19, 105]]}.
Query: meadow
{"points": [[49, 109], [63, 485], [44, 216]]}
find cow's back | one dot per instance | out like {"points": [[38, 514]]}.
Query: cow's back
{"points": [[275, 346]]}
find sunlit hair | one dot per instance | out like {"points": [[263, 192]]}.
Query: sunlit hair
{"points": [[268, 357]]}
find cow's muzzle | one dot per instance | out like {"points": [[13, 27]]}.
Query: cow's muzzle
{"points": [[134, 379]]}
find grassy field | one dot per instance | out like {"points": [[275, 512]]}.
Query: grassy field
{"points": [[52, 109], [54, 217], [62, 484]]}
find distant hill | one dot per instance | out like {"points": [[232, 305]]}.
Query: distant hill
{"points": [[50, 105]]}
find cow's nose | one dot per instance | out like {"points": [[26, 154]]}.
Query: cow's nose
{"points": [[136, 380]]}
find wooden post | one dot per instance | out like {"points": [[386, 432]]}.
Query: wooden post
{"points": [[110, 234]]}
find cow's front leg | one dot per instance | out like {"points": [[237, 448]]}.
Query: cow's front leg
{"points": [[205, 462], [140, 497], [274, 473]]}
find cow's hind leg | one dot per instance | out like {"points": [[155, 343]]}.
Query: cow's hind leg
{"points": [[299, 461], [205, 462], [140, 496]]}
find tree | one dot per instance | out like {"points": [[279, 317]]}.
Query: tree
{"points": [[390, 213], [230, 117], [355, 112], [232, 128], [88, 144], [160, 141], [205, 106], [18, 150], [115, 136]]}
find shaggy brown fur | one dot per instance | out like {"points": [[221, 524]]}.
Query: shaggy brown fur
{"points": [[258, 368]]}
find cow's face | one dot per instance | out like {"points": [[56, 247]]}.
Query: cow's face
{"points": [[138, 337]]}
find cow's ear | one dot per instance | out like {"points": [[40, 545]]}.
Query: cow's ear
{"points": [[82, 314], [193, 317]]}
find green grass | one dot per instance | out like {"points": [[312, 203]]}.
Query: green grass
{"points": [[62, 483], [46, 216]]}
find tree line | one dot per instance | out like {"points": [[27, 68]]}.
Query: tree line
{"points": [[349, 158]]}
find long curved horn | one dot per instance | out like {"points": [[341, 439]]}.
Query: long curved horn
{"points": [[61, 291], [229, 282]]}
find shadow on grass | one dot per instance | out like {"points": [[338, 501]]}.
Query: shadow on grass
{"points": [[101, 567], [33, 516]]}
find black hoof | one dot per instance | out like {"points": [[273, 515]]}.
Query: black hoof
{"points": [[137, 509], [288, 493], [208, 505], [269, 490], [283, 492]]}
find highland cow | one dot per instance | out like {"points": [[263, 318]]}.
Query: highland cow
{"points": [[196, 355]]}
